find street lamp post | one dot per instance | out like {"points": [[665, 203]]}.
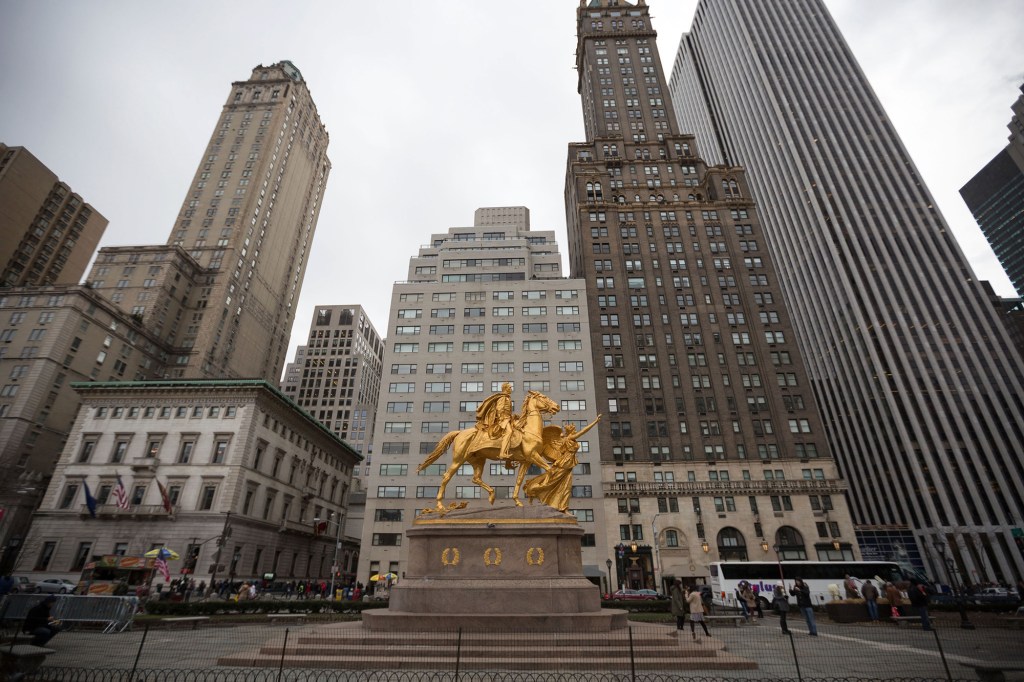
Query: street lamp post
{"points": [[657, 553], [608, 565], [951, 574], [778, 560], [337, 545]]}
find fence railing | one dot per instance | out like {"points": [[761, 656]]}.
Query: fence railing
{"points": [[317, 647], [114, 614]]}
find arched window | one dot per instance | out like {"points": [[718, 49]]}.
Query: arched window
{"points": [[731, 545], [598, 192], [791, 544], [735, 188], [671, 538]]}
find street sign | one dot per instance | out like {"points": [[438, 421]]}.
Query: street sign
{"points": [[1018, 532]]}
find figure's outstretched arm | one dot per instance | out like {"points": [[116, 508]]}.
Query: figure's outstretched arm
{"points": [[586, 428]]}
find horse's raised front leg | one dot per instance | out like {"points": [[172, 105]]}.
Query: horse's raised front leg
{"points": [[444, 484], [478, 472]]}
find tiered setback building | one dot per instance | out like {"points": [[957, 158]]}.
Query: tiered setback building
{"points": [[216, 301], [336, 378], [47, 232], [222, 291], [231, 454], [912, 368], [711, 447], [482, 305]]}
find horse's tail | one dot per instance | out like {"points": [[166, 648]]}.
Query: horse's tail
{"points": [[441, 448]]}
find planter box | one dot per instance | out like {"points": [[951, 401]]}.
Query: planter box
{"points": [[851, 612]]}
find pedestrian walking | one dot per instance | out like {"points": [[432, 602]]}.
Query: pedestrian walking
{"points": [[802, 592], [892, 593], [919, 595], [696, 605], [780, 602], [678, 603], [742, 600], [870, 594], [748, 600]]}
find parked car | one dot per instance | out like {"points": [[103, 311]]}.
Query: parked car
{"points": [[654, 594], [630, 595], [22, 584], [55, 586], [1000, 596]]}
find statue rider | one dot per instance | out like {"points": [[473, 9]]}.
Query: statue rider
{"points": [[494, 416]]}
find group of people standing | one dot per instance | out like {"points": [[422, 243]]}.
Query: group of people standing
{"points": [[688, 604]]}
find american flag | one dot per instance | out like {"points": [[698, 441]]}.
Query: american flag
{"points": [[121, 495], [161, 564]]}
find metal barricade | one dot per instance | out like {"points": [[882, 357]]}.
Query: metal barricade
{"points": [[114, 613]]}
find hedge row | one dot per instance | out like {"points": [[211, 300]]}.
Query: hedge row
{"points": [[210, 608]]}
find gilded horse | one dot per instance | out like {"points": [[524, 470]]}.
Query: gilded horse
{"points": [[474, 446]]}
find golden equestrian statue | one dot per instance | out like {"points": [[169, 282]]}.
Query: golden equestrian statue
{"points": [[521, 440]]}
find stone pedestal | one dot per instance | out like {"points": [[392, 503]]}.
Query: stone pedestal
{"points": [[492, 569]]}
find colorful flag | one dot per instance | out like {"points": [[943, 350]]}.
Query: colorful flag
{"points": [[165, 498], [161, 564], [90, 501], [319, 528], [121, 495]]}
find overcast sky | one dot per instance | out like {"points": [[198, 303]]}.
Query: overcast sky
{"points": [[433, 108]]}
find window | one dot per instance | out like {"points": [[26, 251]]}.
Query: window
{"points": [[206, 497], [394, 469], [120, 448], [81, 556], [68, 498], [391, 491], [185, 450], [45, 555], [220, 449], [85, 453]]}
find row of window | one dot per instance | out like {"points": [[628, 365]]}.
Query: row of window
{"points": [[496, 346], [530, 295], [526, 311], [179, 412], [567, 366], [526, 327], [467, 492]]}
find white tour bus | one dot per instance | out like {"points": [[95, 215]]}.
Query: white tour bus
{"points": [[764, 575]]}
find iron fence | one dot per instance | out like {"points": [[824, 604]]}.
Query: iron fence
{"points": [[333, 651]]}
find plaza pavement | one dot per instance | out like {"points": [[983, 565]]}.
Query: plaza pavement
{"points": [[861, 650]]}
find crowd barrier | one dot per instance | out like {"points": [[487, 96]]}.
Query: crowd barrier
{"points": [[115, 614]]}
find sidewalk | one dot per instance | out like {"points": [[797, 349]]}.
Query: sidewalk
{"points": [[847, 650]]}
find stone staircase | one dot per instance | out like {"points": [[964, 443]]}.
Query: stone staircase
{"points": [[350, 646]]}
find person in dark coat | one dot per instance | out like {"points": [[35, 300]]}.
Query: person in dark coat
{"points": [[677, 601], [780, 602], [918, 595], [802, 592], [40, 623], [870, 594]]}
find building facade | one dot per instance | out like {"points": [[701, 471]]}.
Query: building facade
{"points": [[712, 448], [47, 232], [913, 371], [246, 225], [482, 305], [51, 337], [338, 373], [995, 197], [240, 464]]}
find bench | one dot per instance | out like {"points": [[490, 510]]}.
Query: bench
{"points": [[22, 659], [297, 617], [1013, 622], [908, 619], [195, 620], [992, 671], [736, 619]]}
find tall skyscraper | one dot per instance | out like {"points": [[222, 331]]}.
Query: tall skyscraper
{"points": [[338, 375], [47, 232], [995, 197], [914, 373], [223, 290], [481, 305], [711, 445]]}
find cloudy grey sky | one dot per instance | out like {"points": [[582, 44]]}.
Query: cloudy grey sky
{"points": [[433, 108]]}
